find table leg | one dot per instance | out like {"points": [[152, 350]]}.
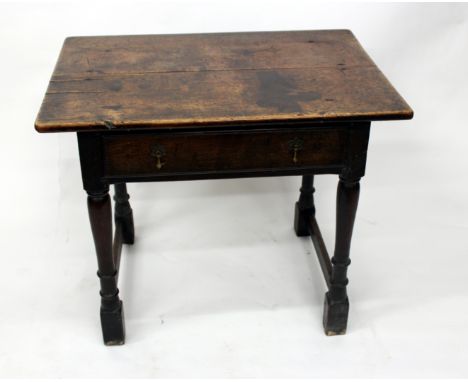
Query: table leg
{"points": [[123, 213], [336, 300], [112, 320], [304, 206]]}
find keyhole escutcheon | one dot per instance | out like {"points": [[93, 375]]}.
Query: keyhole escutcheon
{"points": [[158, 152], [295, 145]]}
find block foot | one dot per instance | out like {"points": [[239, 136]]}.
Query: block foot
{"points": [[113, 326], [128, 229], [335, 316], [301, 226]]}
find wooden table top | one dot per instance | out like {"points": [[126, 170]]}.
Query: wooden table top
{"points": [[159, 81]]}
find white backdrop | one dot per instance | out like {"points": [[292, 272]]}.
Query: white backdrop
{"points": [[217, 283]]}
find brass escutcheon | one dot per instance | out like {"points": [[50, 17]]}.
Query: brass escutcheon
{"points": [[158, 152], [295, 145]]}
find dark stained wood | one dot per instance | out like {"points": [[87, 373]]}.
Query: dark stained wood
{"points": [[320, 249], [91, 160], [160, 81], [129, 178], [356, 151], [304, 207], [258, 150], [336, 310], [112, 321], [180, 107], [177, 153], [123, 214], [117, 247]]}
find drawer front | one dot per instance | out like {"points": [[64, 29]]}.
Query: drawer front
{"points": [[152, 154]]}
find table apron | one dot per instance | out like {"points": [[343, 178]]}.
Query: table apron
{"points": [[200, 155]]}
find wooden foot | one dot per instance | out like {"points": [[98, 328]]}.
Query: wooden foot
{"points": [[113, 326], [123, 213], [100, 216], [335, 316], [304, 207]]}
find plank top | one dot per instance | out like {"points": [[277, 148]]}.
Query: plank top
{"points": [[160, 81]]}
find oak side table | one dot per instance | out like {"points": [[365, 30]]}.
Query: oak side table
{"points": [[224, 105]]}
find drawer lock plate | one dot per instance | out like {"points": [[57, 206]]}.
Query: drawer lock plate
{"points": [[158, 152], [295, 145]]}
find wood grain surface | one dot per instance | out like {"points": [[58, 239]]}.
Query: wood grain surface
{"points": [[204, 152], [161, 81]]}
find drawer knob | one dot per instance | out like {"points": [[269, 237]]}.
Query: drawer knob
{"points": [[158, 152], [295, 145]]}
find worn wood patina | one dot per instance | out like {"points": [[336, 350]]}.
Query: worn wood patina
{"points": [[188, 80], [225, 105]]}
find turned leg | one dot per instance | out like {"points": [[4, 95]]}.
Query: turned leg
{"points": [[336, 308], [112, 320], [123, 213], [304, 206]]}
